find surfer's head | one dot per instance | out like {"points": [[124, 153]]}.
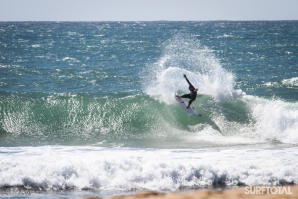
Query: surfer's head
{"points": [[191, 88]]}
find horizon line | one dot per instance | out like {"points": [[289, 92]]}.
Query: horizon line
{"points": [[148, 20]]}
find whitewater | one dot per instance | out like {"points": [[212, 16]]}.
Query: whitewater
{"points": [[88, 108]]}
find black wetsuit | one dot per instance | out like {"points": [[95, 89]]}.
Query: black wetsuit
{"points": [[192, 95]]}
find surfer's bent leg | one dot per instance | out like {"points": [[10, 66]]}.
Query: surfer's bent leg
{"points": [[190, 101], [186, 96]]}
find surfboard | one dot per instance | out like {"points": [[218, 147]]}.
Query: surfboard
{"points": [[191, 110]]}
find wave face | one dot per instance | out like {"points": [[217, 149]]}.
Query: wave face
{"points": [[145, 121], [77, 119]]}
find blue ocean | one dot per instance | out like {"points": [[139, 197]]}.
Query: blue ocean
{"points": [[88, 108]]}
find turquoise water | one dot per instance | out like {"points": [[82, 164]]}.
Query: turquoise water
{"points": [[101, 89]]}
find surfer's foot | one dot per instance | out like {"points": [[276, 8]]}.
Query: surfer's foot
{"points": [[187, 107], [177, 96]]}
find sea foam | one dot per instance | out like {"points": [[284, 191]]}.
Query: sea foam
{"points": [[55, 168]]}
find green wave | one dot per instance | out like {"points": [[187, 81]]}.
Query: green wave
{"points": [[78, 119]]}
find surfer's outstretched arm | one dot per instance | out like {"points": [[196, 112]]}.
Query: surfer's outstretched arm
{"points": [[188, 81]]}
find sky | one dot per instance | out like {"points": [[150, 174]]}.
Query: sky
{"points": [[147, 10]]}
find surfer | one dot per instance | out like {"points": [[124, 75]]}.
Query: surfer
{"points": [[193, 92]]}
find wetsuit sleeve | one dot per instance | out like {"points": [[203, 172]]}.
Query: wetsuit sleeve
{"points": [[188, 82]]}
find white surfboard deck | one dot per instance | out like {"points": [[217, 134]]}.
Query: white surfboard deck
{"points": [[191, 110]]}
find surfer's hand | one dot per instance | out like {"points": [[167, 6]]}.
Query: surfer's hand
{"points": [[184, 75]]}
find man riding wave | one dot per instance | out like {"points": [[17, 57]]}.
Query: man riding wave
{"points": [[193, 92]]}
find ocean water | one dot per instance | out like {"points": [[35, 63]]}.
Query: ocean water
{"points": [[87, 108]]}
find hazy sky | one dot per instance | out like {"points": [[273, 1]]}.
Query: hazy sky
{"points": [[147, 10]]}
